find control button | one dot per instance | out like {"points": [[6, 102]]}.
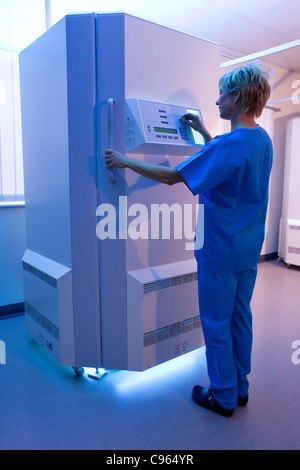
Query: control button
{"points": [[184, 134], [159, 136], [164, 136]]}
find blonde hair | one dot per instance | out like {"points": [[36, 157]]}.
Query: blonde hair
{"points": [[252, 82]]}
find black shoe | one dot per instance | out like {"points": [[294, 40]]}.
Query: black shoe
{"points": [[242, 401], [204, 398]]}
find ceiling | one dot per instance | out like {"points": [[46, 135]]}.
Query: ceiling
{"points": [[241, 27], [245, 27]]}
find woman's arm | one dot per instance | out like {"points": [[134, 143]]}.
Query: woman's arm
{"points": [[161, 174]]}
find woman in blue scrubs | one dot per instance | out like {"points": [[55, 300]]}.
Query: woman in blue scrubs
{"points": [[231, 177]]}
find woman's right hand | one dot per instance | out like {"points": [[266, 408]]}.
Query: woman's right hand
{"points": [[196, 123], [193, 121]]}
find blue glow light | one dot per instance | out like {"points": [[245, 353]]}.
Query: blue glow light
{"points": [[159, 372]]}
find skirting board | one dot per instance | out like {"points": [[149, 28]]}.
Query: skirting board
{"points": [[12, 310]]}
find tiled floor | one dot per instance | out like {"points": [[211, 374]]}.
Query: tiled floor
{"points": [[45, 406]]}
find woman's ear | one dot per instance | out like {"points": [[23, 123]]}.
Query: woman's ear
{"points": [[236, 95]]}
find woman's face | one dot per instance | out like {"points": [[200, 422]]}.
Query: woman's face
{"points": [[226, 103]]}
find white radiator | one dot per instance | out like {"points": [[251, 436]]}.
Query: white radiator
{"points": [[292, 248], [289, 239], [49, 305], [163, 314]]}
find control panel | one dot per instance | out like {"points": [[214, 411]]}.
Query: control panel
{"points": [[156, 128]]}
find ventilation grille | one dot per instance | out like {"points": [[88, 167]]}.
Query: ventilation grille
{"points": [[40, 274], [52, 329], [167, 332], [294, 250], [169, 282]]}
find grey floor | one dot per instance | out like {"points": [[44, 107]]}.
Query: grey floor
{"points": [[45, 406]]}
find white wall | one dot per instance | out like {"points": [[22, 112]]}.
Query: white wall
{"points": [[275, 123], [12, 243], [282, 88]]}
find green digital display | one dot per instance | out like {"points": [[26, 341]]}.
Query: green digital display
{"points": [[165, 130]]}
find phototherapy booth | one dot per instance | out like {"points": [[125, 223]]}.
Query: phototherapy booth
{"points": [[95, 296]]}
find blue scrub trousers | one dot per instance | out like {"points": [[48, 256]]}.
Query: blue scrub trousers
{"points": [[226, 317]]}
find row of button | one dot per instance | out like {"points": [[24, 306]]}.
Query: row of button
{"points": [[163, 115], [166, 137]]}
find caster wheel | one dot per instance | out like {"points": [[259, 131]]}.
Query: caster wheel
{"points": [[79, 371]]}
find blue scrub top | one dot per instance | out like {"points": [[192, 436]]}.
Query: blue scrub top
{"points": [[231, 175]]}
